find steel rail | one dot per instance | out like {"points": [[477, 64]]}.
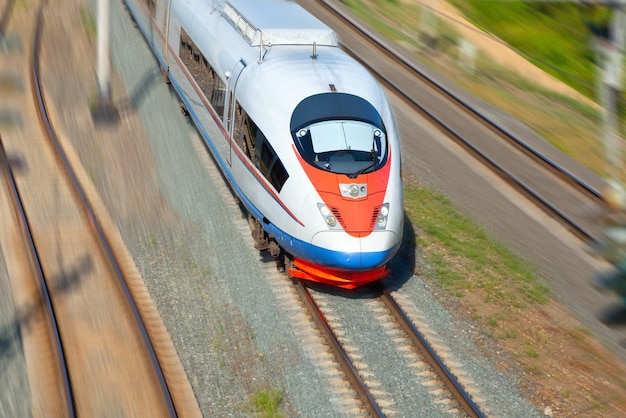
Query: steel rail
{"points": [[342, 357], [565, 219], [57, 343], [449, 380], [94, 224]]}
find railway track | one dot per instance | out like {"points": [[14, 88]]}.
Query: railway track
{"points": [[58, 394], [449, 381], [558, 191], [98, 347], [430, 378], [358, 384]]}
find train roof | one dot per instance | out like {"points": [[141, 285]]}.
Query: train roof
{"points": [[276, 22], [292, 75]]}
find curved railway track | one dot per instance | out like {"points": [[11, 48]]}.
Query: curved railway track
{"points": [[163, 400], [558, 191], [100, 342]]}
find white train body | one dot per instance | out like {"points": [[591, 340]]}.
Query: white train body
{"points": [[306, 136]]}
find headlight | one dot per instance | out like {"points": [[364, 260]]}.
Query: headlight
{"points": [[353, 190], [328, 216], [381, 221]]}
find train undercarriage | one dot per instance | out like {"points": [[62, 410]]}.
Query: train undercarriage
{"points": [[301, 269]]}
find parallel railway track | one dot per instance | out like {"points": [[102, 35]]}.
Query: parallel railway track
{"points": [[99, 338], [60, 395], [559, 192]]}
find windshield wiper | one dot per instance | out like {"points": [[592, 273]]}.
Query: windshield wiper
{"points": [[365, 169], [361, 171]]}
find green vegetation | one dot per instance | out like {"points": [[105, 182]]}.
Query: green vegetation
{"points": [[267, 401], [217, 345], [153, 240], [554, 36], [465, 259], [532, 352], [89, 24], [495, 285], [400, 21]]}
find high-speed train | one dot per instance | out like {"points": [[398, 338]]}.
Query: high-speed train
{"points": [[301, 131]]}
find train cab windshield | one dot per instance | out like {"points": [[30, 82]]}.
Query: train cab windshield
{"points": [[339, 133]]}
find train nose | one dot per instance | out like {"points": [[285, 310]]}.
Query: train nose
{"points": [[352, 253]]}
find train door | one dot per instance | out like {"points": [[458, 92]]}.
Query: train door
{"points": [[229, 105]]}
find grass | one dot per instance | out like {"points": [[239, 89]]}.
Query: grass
{"points": [[89, 24], [388, 13], [267, 401], [502, 294], [465, 259], [555, 37], [495, 285]]}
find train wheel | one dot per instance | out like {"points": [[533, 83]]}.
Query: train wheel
{"points": [[285, 262], [261, 242]]}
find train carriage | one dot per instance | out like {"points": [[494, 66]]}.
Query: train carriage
{"points": [[302, 132]]}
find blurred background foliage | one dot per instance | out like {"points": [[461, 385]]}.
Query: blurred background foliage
{"points": [[557, 37], [561, 38]]}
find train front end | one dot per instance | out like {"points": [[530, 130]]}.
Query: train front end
{"points": [[350, 154]]}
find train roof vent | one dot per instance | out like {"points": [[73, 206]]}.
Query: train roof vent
{"points": [[273, 22]]}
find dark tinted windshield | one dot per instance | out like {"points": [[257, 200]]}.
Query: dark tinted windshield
{"points": [[340, 133]]}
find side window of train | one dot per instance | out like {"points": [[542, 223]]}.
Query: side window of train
{"points": [[212, 86], [269, 163], [253, 143], [218, 96], [244, 133]]}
